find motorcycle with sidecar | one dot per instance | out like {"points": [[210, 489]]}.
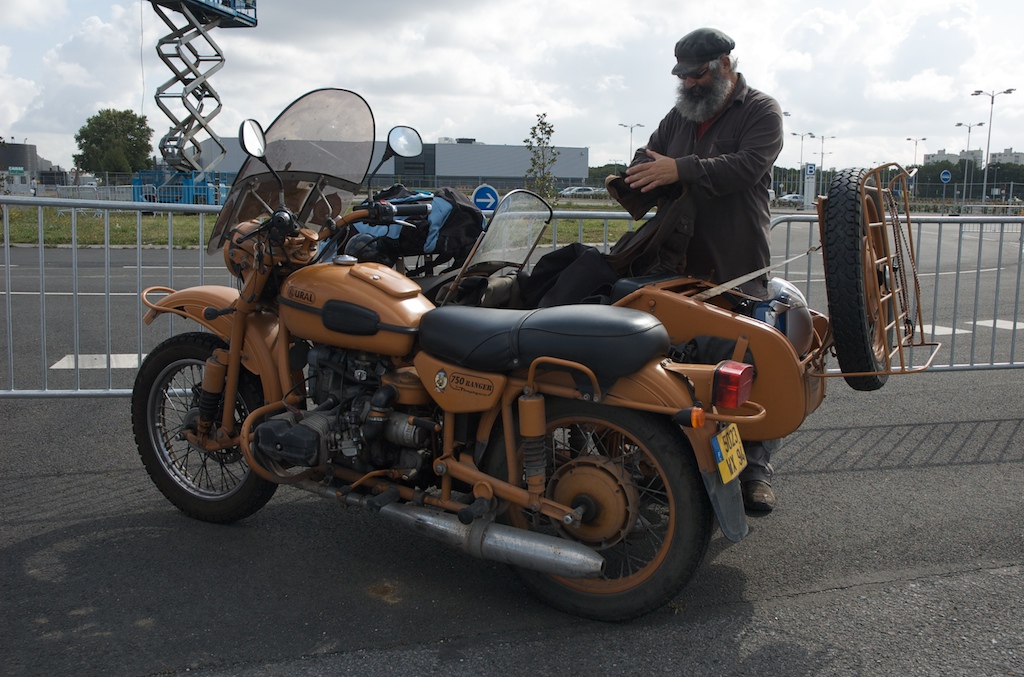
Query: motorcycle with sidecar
{"points": [[580, 444]]}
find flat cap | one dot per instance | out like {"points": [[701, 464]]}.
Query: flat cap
{"points": [[700, 46]]}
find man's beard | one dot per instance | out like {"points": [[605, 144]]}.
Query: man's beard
{"points": [[700, 102]]}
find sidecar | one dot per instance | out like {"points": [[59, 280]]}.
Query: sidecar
{"points": [[873, 326]]}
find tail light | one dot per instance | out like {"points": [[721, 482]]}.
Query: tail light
{"points": [[733, 381]]}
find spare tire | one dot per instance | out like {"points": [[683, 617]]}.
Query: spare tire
{"points": [[860, 302]]}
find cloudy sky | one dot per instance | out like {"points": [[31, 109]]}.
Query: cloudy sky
{"points": [[870, 73]]}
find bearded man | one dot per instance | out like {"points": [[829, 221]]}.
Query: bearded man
{"points": [[721, 140]]}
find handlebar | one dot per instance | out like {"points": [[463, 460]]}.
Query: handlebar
{"points": [[382, 212], [377, 213], [418, 209]]}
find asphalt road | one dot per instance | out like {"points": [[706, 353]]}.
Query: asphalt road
{"points": [[897, 548]]}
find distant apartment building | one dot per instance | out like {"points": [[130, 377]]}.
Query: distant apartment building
{"points": [[1007, 157], [974, 156]]}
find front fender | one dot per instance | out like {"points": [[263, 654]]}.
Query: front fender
{"points": [[261, 331]]}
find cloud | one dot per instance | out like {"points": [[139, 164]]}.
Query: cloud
{"points": [[32, 15], [869, 74], [15, 93]]}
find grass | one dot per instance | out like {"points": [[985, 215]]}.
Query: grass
{"points": [[591, 231], [90, 228]]}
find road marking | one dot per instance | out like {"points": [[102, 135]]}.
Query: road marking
{"points": [[117, 361], [939, 330], [1000, 324]]}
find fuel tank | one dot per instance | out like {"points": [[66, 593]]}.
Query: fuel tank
{"points": [[357, 306]]}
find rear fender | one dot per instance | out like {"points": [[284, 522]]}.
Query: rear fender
{"points": [[654, 388], [261, 330]]}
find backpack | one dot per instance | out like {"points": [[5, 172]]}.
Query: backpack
{"points": [[448, 232], [455, 224]]}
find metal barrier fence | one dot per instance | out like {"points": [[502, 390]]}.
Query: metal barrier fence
{"points": [[73, 320]]}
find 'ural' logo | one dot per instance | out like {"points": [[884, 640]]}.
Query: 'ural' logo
{"points": [[301, 295]]}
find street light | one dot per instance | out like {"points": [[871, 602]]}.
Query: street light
{"points": [[963, 201], [821, 163], [629, 158], [914, 184], [803, 188], [992, 104], [923, 138]]}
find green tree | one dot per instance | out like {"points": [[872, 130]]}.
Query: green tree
{"points": [[539, 178], [114, 141], [597, 175]]}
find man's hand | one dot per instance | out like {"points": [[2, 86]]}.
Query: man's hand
{"points": [[649, 175]]}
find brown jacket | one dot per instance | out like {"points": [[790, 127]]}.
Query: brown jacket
{"points": [[729, 173]]}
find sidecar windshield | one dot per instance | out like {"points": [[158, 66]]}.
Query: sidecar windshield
{"points": [[510, 239], [321, 147], [516, 227]]}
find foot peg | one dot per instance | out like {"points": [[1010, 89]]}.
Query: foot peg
{"points": [[475, 509], [389, 495]]}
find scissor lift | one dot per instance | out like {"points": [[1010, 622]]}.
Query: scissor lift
{"points": [[188, 98]]}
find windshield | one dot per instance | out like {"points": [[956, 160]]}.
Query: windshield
{"points": [[320, 146]]}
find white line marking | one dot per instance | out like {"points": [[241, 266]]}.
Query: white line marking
{"points": [[943, 331], [1000, 324], [117, 361]]}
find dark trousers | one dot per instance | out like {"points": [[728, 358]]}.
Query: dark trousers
{"points": [[759, 456]]}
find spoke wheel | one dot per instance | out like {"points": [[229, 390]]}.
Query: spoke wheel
{"points": [[857, 280], [645, 509], [214, 486]]}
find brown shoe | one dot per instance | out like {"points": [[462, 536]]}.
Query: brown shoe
{"points": [[758, 496]]}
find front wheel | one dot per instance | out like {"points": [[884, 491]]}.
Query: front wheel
{"points": [[645, 509], [213, 486]]}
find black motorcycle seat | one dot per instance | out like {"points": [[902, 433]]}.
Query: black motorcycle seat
{"points": [[609, 340]]}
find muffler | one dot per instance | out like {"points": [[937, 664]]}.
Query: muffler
{"points": [[486, 539]]}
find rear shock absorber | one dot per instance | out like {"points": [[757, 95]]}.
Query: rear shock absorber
{"points": [[533, 429]]}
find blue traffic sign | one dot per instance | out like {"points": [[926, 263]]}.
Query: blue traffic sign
{"points": [[485, 197], [945, 176]]}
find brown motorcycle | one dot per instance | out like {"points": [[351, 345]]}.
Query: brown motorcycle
{"points": [[573, 443]]}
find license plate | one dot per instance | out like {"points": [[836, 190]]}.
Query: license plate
{"points": [[729, 453]]}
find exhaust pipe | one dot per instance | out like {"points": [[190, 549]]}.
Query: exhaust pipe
{"points": [[500, 543], [483, 538]]}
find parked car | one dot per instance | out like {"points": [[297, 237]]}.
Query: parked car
{"points": [[791, 200], [582, 191]]}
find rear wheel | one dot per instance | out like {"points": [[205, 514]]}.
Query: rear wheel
{"points": [[857, 280], [213, 486], [645, 508]]}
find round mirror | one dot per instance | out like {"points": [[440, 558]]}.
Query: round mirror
{"points": [[252, 139], [405, 141]]}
